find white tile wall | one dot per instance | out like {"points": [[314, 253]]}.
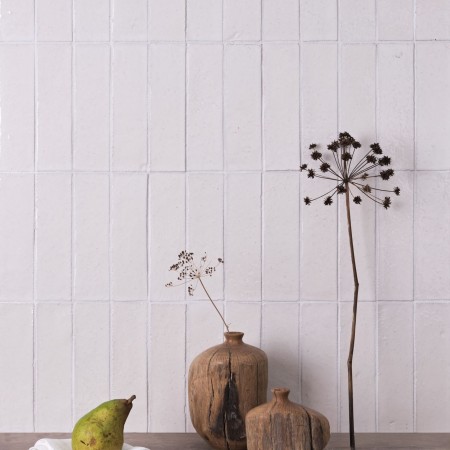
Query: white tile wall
{"points": [[132, 129]]}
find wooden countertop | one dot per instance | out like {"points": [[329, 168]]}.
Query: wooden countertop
{"points": [[189, 441]]}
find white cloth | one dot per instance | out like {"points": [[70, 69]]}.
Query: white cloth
{"points": [[66, 444]]}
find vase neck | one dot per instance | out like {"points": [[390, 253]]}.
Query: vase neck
{"points": [[233, 337], [280, 395]]}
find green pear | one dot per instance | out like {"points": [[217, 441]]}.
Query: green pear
{"points": [[102, 428]]}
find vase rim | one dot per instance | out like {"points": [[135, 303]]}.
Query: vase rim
{"points": [[233, 337], [280, 393]]}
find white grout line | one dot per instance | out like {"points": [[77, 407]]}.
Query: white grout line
{"points": [[72, 267], [262, 240]]}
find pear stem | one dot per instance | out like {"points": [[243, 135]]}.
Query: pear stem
{"points": [[130, 400]]}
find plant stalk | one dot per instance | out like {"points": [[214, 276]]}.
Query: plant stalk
{"points": [[355, 308], [211, 300]]}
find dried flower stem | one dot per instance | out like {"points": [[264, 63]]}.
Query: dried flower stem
{"points": [[217, 309]]}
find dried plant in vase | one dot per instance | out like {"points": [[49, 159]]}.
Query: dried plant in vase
{"points": [[225, 381], [351, 178]]}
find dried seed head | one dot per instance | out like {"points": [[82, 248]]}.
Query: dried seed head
{"points": [[357, 200], [307, 200]]}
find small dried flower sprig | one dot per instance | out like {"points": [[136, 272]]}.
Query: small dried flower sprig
{"points": [[347, 177], [191, 274]]}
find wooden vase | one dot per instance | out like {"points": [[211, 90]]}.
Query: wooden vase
{"points": [[225, 383], [284, 425]]}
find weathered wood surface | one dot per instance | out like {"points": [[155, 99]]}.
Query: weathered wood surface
{"points": [[191, 441]]}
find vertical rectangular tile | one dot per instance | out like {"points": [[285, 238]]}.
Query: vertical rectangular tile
{"points": [[204, 20], [281, 106], [91, 236], [431, 219], [280, 342], [91, 108], [129, 359], [91, 20], [357, 20], [432, 92], [16, 367], [54, 20], [167, 233], [395, 241], [396, 102], [396, 370], [242, 20], [53, 236], [363, 366], [280, 23], [54, 107], [242, 107], [17, 20], [17, 94], [280, 236], [129, 20], [205, 226], [53, 391], [432, 20], [167, 368], [129, 237], [16, 237], [167, 107], [432, 342], [395, 20], [129, 107], [91, 356], [166, 20], [245, 317], [318, 20], [204, 107], [319, 363], [243, 237]]}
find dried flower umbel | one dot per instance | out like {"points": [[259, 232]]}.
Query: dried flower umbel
{"points": [[349, 178], [191, 273]]}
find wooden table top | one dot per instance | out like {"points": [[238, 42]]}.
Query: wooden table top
{"points": [[189, 441]]}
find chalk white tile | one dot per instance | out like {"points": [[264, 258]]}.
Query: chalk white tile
{"points": [[280, 342], [17, 20], [91, 356], [129, 107], [204, 107], [319, 362], [167, 233], [243, 237], [432, 249], [363, 366], [17, 94], [242, 107], [204, 20], [395, 367], [396, 103], [129, 237], [91, 236], [129, 359], [167, 107], [432, 341], [91, 20], [281, 106], [318, 20], [129, 20], [395, 19], [91, 107], [395, 240], [54, 20], [53, 236], [53, 390], [166, 20], [242, 20], [205, 227], [54, 106], [357, 92], [432, 107], [280, 236], [280, 23], [167, 368], [16, 367], [16, 237], [432, 19], [245, 317], [357, 20]]}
